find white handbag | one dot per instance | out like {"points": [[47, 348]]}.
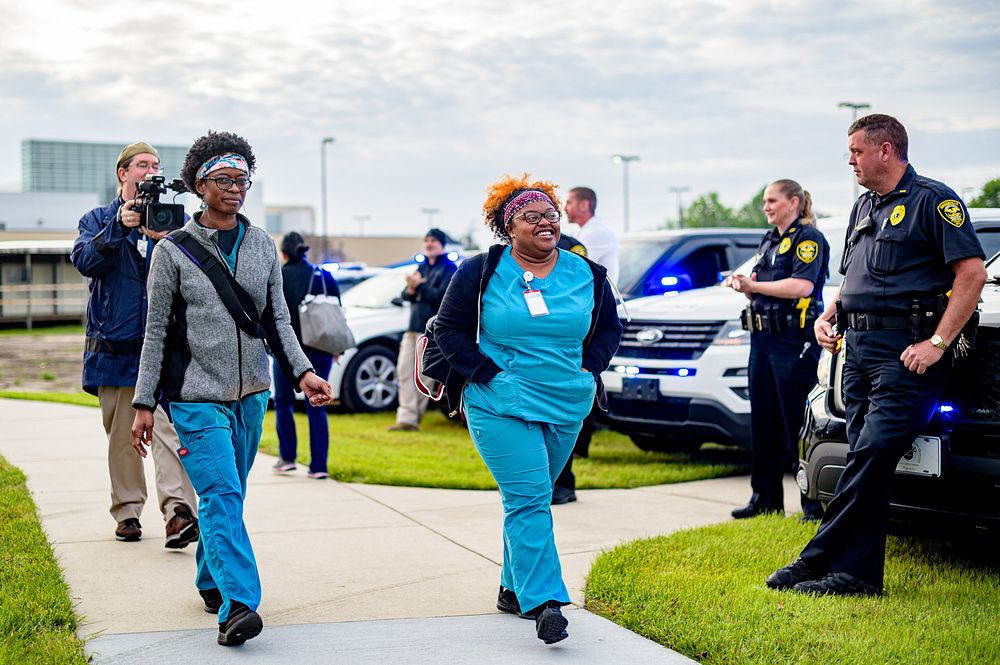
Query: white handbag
{"points": [[324, 325]]}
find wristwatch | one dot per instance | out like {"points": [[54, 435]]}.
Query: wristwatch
{"points": [[939, 342]]}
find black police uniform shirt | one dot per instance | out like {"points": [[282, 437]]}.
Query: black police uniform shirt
{"points": [[801, 252], [900, 246]]}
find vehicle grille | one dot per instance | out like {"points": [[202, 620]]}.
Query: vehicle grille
{"points": [[682, 340], [664, 409], [975, 387]]}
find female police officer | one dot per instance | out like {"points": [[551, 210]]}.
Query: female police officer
{"points": [[785, 291]]}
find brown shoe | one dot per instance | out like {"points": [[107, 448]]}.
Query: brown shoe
{"points": [[182, 529], [402, 427], [129, 530]]}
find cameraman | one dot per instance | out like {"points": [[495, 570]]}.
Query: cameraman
{"points": [[113, 249]]}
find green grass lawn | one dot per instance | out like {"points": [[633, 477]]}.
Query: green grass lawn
{"points": [[701, 592], [37, 624], [442, 455], [44, 330]]}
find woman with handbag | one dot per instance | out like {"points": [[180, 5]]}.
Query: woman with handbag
{"points": [[300, 278], [214, 298], [531, 328]]}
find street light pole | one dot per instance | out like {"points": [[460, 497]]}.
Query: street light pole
{"points": [[624, 161], [678, 190], [855, 107], [430, 212], [322, 152]]}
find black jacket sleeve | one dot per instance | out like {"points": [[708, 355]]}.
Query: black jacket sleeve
{"points": [[603, 344], [432, 292], [456, 323]]}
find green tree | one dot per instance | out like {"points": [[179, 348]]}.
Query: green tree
{"points": [[990, 198], [752, 215], [708, 211]]}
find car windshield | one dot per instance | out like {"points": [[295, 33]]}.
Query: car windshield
{"points": [[378, 291], [635, 256], [835, 235], [990, 238]]}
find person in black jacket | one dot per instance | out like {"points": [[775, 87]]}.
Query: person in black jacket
{"points": [[424, 290], [527, 329], [299, 279]]}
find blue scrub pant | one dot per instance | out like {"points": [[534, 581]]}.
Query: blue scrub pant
{"points": [[525, 458], [284, 411], [218, 445]]}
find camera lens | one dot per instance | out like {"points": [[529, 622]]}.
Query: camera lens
{"points": [[163, 217]]}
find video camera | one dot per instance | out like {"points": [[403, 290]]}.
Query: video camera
{"points": [[158, 216]]}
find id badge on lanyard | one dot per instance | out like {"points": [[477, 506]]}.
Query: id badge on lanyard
{"points": [[533, 298]]}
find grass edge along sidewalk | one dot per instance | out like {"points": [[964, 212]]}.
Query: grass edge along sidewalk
{"points": [[441, 454], [37, 622], [701, 592]]}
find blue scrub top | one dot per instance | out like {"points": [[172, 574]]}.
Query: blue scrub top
{"points": [[540, 356]]}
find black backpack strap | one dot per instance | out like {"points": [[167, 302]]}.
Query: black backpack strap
{"points": [[235, 298]]}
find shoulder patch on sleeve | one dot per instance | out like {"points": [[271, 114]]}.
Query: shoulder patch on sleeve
{"points": [[807, 251], [952, 212]]}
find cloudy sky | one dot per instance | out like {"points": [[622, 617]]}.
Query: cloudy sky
{"points": [[430, 101]]}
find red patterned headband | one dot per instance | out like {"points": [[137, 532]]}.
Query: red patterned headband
{"points": [[521, 200]]}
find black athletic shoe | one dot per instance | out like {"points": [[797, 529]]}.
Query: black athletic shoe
{"points": [[754, 510], [507, 601], [838, 584], [243, 624], [561, 495], [787, 577], [212, 598], [550, 624]]}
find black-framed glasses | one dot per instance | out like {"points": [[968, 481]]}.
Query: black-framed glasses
{"points": [[535, 217], [225, 182]]}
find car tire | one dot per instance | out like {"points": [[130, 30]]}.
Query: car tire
{"points": [[662, 444], [369, 382]]}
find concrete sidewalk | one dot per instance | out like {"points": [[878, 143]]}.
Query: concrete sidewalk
{"points": [[419, 567]]}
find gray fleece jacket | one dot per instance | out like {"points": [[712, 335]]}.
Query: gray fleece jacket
{"points": [[193, 350]]}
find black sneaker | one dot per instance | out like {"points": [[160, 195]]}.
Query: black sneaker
{"points": [[550, 624], [838, 584], [243, 624], [212, 598], [561, 495], [507, 602], [787, 577]]}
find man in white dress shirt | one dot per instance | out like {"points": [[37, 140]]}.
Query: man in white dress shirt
{"points": [[602, 248], [596, 236]]}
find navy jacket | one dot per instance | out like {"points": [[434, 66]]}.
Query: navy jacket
{"points": [[458, 320], [108, 253]]}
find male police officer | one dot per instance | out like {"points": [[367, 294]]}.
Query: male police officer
{"points": [[113, 250], [913, 272]]}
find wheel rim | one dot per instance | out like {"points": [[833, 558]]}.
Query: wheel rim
{"points": [[375, 382]]}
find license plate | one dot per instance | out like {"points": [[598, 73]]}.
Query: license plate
{"points": [[923, 459], [642, 390]]}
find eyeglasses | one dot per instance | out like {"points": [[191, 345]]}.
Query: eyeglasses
{"points": [[535, 217], [225, 182]]}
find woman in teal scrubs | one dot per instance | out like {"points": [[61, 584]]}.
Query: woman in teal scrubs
{"points": [[548, 328]]}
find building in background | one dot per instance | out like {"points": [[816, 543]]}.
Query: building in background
{"points": [[284, 219], [79, 166]]}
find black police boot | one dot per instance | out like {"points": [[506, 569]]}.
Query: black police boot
{"points": [[561, 495], [789, 576], [838, 584]]}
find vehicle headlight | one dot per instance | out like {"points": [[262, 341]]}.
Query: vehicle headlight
{"points": [[823, 369], [732, 334]]}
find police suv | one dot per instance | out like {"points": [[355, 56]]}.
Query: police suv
{"points": [[953, 468]]}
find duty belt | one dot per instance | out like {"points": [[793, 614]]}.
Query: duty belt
{"points": [[129, 347], [771, 321], [865, 321]]}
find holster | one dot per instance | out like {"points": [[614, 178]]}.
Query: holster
{"points": [[841, 319]]}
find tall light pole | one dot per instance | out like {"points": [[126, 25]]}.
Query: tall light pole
{"points": [[624, 161], [678, 190], [361, 219], [855, 107], [322, 152], [430, 212]]}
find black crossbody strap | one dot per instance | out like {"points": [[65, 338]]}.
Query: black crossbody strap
{"points": [[235, 298]]}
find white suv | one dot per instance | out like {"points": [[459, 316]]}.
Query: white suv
{"points": [[680, 375]]}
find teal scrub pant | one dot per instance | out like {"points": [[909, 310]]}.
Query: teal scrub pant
{"points": [[525, 458], [218, 445]]}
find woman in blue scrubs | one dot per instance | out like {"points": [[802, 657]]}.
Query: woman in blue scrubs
{"points": [[547, 327]]}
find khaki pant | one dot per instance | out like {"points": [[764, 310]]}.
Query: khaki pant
{"points": [[128, 480], [412, 404]]}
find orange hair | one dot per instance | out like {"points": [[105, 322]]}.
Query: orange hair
{"points": [[506, 188]]}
